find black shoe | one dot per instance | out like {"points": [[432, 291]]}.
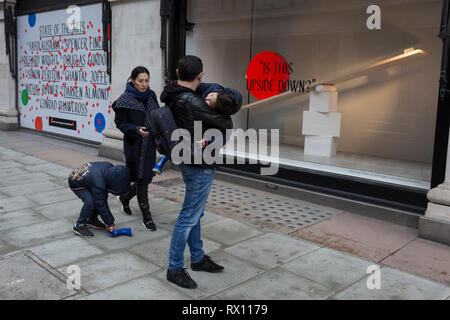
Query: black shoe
{"points": [[149, 225], [206, 264], [96, 224], [181, 278], [83, 231], [125, 207]]}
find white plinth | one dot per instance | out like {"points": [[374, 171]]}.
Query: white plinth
{"points": [[324, 101], [324, 124], [324, 146]]}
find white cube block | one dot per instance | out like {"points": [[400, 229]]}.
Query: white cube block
{"points": [[324, 87], [322, 124], [320, 146], [324, 101]]}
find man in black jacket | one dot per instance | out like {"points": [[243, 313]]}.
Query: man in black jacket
{"points": [[187, 106]]}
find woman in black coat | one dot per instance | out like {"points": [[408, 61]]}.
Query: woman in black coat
{"points": [[132, 117]]}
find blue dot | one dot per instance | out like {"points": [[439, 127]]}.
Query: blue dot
{"points": [[32, 19], [100, 122]]}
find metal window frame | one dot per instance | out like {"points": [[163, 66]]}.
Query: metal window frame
{"points": [[443, 110], [173, 35]]}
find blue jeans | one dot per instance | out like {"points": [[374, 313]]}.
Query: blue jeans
{"points": [[198, 183], [88, 210]]}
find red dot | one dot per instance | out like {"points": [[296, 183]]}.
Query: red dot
{"points": [[38, 124], [270, 69]]}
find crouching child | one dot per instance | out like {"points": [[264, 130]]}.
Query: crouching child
{"points": [[91, 183]]}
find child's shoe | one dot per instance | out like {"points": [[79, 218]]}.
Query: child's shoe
{"points": [[83, 231]]}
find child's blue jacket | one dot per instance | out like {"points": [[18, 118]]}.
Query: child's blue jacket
{"points": [[206, 88], [101, 178]]}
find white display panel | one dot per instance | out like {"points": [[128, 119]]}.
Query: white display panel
{"points": [[63, 85]]}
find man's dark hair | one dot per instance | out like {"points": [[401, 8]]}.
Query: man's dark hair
{"points": [[189, 67], [226, 103]]}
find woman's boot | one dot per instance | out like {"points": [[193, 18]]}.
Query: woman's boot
{"points": [[125, 200], [142, 195]]}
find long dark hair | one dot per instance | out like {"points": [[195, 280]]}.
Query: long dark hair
{"points": [[138, 70]]}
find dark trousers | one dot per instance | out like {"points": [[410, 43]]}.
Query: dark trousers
{"points": [[88, 210], [141, 190]]}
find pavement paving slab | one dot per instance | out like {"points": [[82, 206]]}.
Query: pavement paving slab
{"points": [[167, 220], [157, 205], [50, 168], [66, 251], [28, 146], [270, 250], [68, 209], [110, 270], [37, 233], [30, 160], [6, 248], [282, 214], [236, 271], [425, 258], [229, 232], [329, 267], [70, 158], [54, 196], [143, 288], [30, 188], [8, 154], [14, 171], [14, 219], [25, 279], [140, 235], [276, 284], [23, 178], [15, 203], [10, 164], [365, 237], [395, 285], [157, 252]]}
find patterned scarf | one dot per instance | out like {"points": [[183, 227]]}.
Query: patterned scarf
{"points": [[129, 100]]}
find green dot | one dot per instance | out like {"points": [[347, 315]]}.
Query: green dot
{"points": [[25, 97]]}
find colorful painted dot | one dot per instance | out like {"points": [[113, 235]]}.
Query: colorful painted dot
{"points": [[25, 97], [38, 123], [32, 20], [99, 122]]}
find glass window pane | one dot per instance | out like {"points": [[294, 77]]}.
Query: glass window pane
{"points": [[384, 122]]}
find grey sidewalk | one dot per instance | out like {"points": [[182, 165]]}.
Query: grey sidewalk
{"points": [[38, 210]]}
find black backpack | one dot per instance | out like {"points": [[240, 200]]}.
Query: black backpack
{"points": [[162, 124]]}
